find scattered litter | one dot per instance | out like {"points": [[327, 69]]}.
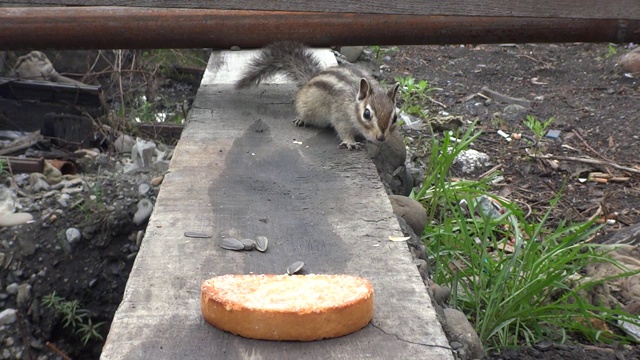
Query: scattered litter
{"points": [[630, 329], [410, 121], [506, 247], [535, 81], [504, 135], [553, 134], [485, 205], [603, 178], [297, 142]]}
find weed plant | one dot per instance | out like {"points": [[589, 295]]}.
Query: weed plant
{"points": [[536, 126], [525, 293], [414, 95], [75, 317]]}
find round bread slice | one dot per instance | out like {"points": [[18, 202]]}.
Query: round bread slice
{"points": [[284, 307]]}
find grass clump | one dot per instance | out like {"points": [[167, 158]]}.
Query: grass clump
{"points": [[413, 95], [513, 275], [75, 317]]}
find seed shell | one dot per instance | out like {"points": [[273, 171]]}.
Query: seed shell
{"points": [[196, 234], [261, 243], [232, 244], [248, 244], [295, 267]]}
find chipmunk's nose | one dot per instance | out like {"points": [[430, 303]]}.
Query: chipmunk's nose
{"points": [[380, 137]]}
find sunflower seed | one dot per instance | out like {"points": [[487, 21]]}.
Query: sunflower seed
{"points": [[232, 244], [295, 267], [248, 244], [399, 238], [196, 234], [261, 243]]}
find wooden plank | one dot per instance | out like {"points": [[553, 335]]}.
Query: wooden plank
{"points": [[585, 9], [239, 170]]}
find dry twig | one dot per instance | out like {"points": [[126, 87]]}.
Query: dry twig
{"points": [[589, 147], [57, 351], [588, 160]]}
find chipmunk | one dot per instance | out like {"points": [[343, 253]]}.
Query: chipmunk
{"points": [[344, 97]]}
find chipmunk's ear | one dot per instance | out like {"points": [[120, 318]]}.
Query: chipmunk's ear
{"points": [[365, 89], [393, 91]]}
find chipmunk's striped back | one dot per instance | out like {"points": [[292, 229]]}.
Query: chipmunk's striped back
{"points": [[345, 97]]}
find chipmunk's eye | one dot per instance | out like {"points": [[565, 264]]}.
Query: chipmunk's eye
{"points": [[367, 114]]}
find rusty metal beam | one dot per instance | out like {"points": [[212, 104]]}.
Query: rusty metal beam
{"points": [[122, 27], [18, 165]]}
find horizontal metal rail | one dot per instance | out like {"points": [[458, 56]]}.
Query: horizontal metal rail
{"points": [[132, 27]]}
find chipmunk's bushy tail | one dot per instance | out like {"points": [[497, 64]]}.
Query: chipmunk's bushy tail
{"points": [[290, 58]]}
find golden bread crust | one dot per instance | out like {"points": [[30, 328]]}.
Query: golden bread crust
{"points": [[283, 307]]}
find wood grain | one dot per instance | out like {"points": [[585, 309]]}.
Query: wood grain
{"points": [[242, 169], [589, 9]]}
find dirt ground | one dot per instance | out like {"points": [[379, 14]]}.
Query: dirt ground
{"points": [[594, 106]]}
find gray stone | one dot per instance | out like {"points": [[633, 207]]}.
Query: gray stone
{"points": [[415, 244], [88, 232], [145, 208], [34, 311], [351, 53], [389, 158], [24, 294], [471, 160], [63, 200], [423, 268], [440, 294], [15, 219], [411, 211], [143, 188], [40, 185], [459, 329], [124, 143], [73, 235], [8, 316], [630, 62], [51, 173], [408, 182], [12, 288], [515, 112], [27, 246]]}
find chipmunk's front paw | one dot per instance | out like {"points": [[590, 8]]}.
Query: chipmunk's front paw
{"points": [[298, 122], [351, 145]]}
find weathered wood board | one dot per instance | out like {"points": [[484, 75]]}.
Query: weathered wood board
{"points": [[242, 169], [575, 9]]}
